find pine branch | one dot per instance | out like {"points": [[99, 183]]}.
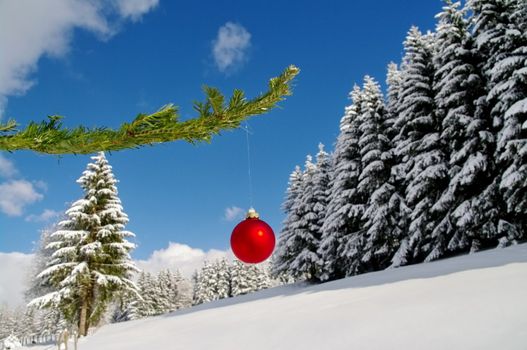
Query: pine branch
{"points": [[214, 115]]}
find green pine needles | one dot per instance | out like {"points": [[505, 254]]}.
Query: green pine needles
{"points": [[214, 115]]}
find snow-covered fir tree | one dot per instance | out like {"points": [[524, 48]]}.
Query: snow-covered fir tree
{"points": [[393, 81], [372, 142], [48, 321], [306, 231], [223, 273], [421, 158], [320, 200], [240, 282], [42, 257], [183, 285], [343, 215], [146, 305], [205, 281], [168, 291], [507, 97], [91, 258], [284, 254], [261, 277], [485, 214], [466, 132], [382, 230]]}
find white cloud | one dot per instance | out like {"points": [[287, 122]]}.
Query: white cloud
{"points": [[14, 269], [233, 213], [7, 167], [45, 216], [35, 28], [180, 256], [230, 47], [134, 9], [15, 195]]}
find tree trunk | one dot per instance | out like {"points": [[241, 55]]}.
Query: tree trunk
{"points": [[83, 318]]}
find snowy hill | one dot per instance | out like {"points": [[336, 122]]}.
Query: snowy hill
{"points": [[469, 302]]}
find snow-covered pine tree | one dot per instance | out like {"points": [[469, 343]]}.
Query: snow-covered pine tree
{"points": [[167, 291], [372, 142], [223, 284], [205, 281], [41, 259], [306, 231], [393, 81], [91, 253], [508, 101], [466, 131], [240, 283], [421, 159], [184, 290], [197, 288], [144, 304], [321, 180], [383, 206], [343, 216], [498, 29], [283, 255], [261, 277], [49, 320]]}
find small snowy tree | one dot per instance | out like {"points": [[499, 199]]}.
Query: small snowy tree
{"points": [[49, 320], [183, 286], [91, 258], [261, 277], [223, 273], [205, 281], [240, 283], [38, 287]]}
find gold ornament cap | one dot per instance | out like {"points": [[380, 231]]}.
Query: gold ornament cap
{"points": [[252, 214]]}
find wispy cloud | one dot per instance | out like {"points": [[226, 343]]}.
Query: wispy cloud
{"points": [[7, 167], [15, 195], [180, 256], [230, 47], [44, 28], [233, 213], [45, 216]]}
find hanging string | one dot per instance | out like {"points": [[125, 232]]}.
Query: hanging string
{"points": [[247, 132]]}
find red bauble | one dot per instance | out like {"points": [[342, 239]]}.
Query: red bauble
{"points": [[252, 240]]}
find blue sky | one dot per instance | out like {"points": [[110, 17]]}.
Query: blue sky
{"points": [[163, 53]]}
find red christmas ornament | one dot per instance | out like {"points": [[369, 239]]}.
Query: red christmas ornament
{"points": [[252, 240]]}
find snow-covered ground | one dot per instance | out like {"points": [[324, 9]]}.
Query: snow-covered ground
{"points": [[469, 302]]}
